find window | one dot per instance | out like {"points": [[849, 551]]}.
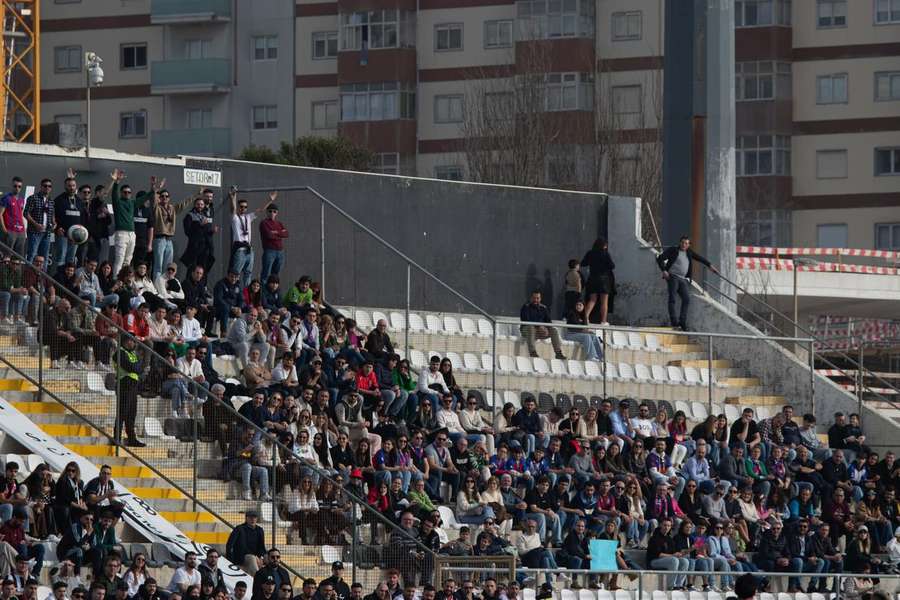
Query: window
{"points": [[133, 124], [542, 19], [762, 80], [377, 102], [498, 34], [758, 13], [325, 44], [887, 86], [832, 235], [448, 109], [376, 29], [449, 172], [325, 114], [196, 49], [67, 58], [568, 91], [265, 117], [626, 100], [626, 26], [887, 11], [887, 161], [198, 118], [831, 89], [831, 164], [764, 227], [133, 56], [386, 162], [448, 36], [499, 106], [763, 155], [265, 47], [887, 236], [831, 13]]}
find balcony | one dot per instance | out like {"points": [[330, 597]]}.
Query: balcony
{"points": [[212, 141], [191, 76], [164, 12]]}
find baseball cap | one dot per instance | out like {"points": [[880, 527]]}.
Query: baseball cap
{"points": [[337, 565], [252, 513]]}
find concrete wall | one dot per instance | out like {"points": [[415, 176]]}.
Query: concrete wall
{"points": [[492, 243], [642, 301]]}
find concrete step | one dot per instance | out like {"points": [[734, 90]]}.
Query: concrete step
{"points": [[757, 400], [718, 363], [95, 450], [740, 382], [686, 348]]}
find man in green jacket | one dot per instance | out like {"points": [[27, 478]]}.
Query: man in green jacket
{"points": [[123, 218]]}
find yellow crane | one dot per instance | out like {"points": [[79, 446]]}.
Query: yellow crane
{"points": [[20, 71]]}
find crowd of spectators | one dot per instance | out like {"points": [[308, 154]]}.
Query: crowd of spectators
{"points": [[354, 419]]}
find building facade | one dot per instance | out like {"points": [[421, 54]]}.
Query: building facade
{"points": [[422, 83]]}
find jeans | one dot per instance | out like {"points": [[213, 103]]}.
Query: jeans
{"points": [[636, 531], [813, 565], [242, 263], [19, 304], [16, 241], [672, 563], [682, 288], [177, 390], [102, 301], [386, 476], [702, 564], [487, 513], [123, 249], [35, 551], [64, 251], [163, 254], [720, 563], [261, 474], [593, 350], [271, 264], [38, 243]]}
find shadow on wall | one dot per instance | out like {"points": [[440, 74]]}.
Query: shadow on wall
{"points": [[544, 286]]}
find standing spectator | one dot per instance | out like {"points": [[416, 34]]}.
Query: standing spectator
{"points": [[99, 221], [199, 230], [143, 224], [241, 259], [12, 223], [128, 371], [12, 287], [535, 312], [123, 221], [273, 233], [163, 228], [601, 282], [68, 211], [573, 286], [676, 264], [246, 545], [40, 214]]}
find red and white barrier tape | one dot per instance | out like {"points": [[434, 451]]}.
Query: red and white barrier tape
{"points": [[773, 251], [778, 264]]}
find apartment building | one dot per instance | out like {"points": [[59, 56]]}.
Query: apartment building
{"points": [[817, 88]]}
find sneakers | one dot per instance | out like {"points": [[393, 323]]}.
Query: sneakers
{"points": [[77, 365], [55, 364], [560, 356], [248, 495], [135, 443], [175, 414], [266, 498]]}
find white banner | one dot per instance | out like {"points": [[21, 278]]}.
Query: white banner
{"points": [[203, 178], [138, 514]]}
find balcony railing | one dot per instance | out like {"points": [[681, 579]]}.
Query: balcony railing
{"points": [[189, 11], [210, 141], [191, 76]]}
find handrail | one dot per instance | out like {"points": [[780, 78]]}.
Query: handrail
{"points": [[228, 409], [375, 236]]}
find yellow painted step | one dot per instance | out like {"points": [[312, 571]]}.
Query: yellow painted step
{"points": [[58, 429], [140, 472], [702, 363], [740, 382], [57, 386], [208, 537], [38, 408], [187, 517], [27, 362], [94, 451], [757, 400], [685, 348], [158, 494], [8, 340], [299, 562]]}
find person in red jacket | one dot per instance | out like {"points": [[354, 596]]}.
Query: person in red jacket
{"points": [[273, 233], [137, 323], [367, 384]]}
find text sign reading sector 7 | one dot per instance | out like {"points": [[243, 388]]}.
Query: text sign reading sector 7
{"points": [[202, 177]]}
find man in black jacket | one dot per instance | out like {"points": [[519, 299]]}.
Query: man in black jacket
{"points": [[534, 311], [676, 265], [246, 545], [773, 553], [341, 589], [273, 569]]}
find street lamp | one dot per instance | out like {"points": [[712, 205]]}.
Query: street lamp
{"points": [[93, 76]]}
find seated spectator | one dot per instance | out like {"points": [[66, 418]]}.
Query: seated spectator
{"points": [[663, 555], [239, 467], [535, 312], [27, 547]]}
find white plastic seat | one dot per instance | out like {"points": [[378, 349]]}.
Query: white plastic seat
{"points": [[398, 321], [604, 595], [817, 596], [485, 329], [715, 596], [801, 596], [33, 461], [612, 373], [785, 596], [456, 361], [16, 459], [626, 372], [451, 326], [567, 594], [152, 427], [642, 373], [623, 595], [659, 374], [584, 594], [766, 596], [529, 594], [683, 407], [448, 517], [510, 397], [732, 412], [619, 339], [472, 363], [524, 365], [377, 315], [592, 369], [717, 409], [506, 363], [558, 367], [363, 320], [659, 595], [699, 411], [331, 554], [692, 375], [266, 515], [763, 412], [416, 323], [433, 324], [468, 326], [697, 595], [417, 359], [634, 340], [541, 367], [676, 375], [576, 368], [433, 353], [651, 343], [489, 400], [675, 595], [487, 363], [96, 384]]}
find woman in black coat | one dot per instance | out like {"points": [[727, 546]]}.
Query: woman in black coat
{"points": [[68, 496], [601, 282]]}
